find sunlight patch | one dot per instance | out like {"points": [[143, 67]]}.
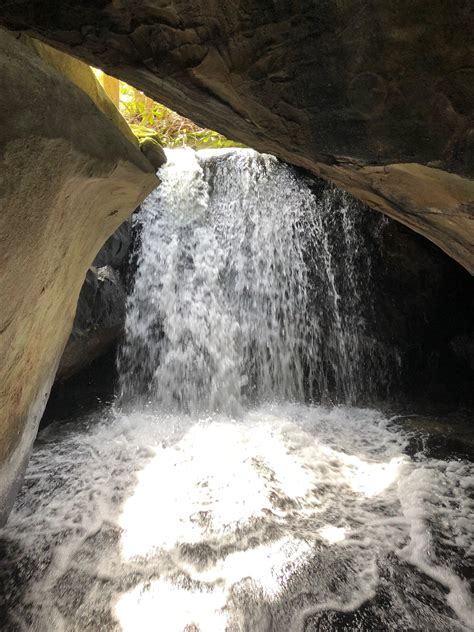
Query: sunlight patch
{"points": [[333, 534], [160, 605]]}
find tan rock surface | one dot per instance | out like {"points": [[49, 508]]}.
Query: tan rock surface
{"points": [[68, 178]]}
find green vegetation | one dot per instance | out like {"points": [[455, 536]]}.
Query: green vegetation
{"points": [[150, 119]]}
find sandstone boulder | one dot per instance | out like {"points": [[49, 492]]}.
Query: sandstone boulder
{"points": [[68, 178]]}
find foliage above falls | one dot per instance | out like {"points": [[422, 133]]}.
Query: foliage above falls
{"points": [[150, 119]]}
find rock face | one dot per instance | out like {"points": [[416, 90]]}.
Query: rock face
{"points": [[68, 178], [100, 313], [423, 302], [376, 96]]}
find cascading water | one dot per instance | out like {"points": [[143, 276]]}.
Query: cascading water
{"points": [[220, 496], [248, 287]]}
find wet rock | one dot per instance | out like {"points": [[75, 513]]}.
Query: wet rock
{"points": [[98, 323], [440, 437], [116, 250], [153, 151], [100, 311], [424, 304]]}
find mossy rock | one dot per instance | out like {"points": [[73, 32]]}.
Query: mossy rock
{"points": [[153, 151]]}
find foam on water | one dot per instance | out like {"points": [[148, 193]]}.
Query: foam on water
{"points": [[288, 517]]}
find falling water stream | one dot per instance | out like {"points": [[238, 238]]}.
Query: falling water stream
{"points": [[237, 484]]}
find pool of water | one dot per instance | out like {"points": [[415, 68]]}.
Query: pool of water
{"points": [[287, 517]]}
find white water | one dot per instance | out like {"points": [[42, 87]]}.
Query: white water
{"points": [[289, 516], [251, 513], [249, 288]]}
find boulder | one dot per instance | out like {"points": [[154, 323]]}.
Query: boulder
{"points": [[153, 151], [100, 313], [69, 177], [376, 96]]}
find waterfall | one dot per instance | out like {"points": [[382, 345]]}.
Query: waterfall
{"points": [[250, 287], [226, 492]]}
